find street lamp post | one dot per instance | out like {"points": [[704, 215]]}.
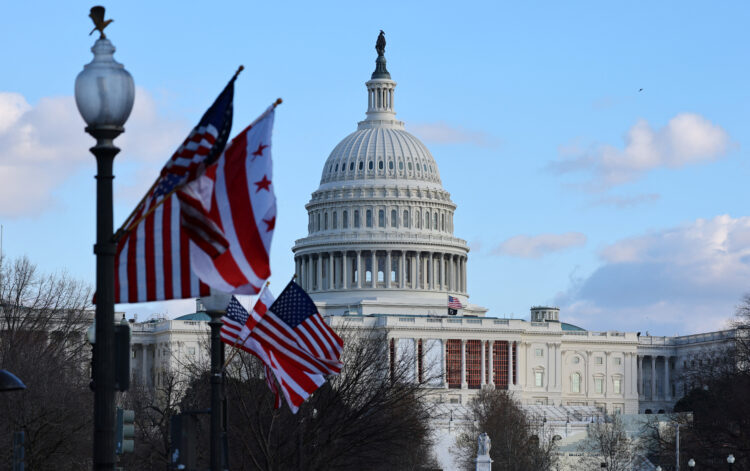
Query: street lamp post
{"points": [[216, 306], [104, 93]]}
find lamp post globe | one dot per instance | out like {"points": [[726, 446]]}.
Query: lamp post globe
{"points": [[104, 90], [658, 468], [104, 93], [730, 461], [691, 463]]}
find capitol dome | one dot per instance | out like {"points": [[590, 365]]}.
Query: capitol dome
{"points": [[380, 229], [381, 151]]}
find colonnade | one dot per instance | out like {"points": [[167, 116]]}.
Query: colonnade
{"points": [[468, 368], [349, 269], [650, 391]]}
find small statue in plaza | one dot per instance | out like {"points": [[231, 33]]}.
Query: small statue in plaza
{"points": [[380, 44], [484, 444]]}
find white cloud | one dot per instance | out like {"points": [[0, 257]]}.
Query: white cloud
{"points": [[525, 246], [44, 144], [683, 279], [687, 139], [443, 133]]}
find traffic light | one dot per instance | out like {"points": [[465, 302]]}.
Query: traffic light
{"points": [[125, 433]]}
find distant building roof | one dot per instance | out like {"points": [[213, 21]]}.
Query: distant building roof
{"points": [[566, 326], [196, 316]]}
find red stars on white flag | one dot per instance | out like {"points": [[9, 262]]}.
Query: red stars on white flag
{"points": [[230, 213]]}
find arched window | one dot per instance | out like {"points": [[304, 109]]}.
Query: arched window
{"points": [[380, 165], [370, 165], [337, 167], [335, 220], [409, 165], [442, 222], [400, 165], [345, 220], [351, 166], [394, 218], [427, 220], [361, 165], [356, 218], [406, 218], [390, 165], [381, 218], [317, 227], [368, 217], [435, 219], [418, 219], [325, 221], [575, 385]]}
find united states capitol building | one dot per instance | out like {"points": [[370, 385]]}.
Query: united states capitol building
{"points": [[381, 253]]}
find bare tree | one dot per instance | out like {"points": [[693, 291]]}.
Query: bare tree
{"points": [[372, 416], [608, 442], [519, 442], [43, 322]]}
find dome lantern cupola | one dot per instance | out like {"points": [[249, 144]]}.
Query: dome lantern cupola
{"points": [[380, 89]]}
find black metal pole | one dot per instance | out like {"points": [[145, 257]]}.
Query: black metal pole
{"points": [[104, 352], [216, 374]]}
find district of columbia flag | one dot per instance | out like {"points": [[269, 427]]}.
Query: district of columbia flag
{"points": [[229, 213], [152, 260]]}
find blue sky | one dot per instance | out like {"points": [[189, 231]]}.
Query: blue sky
{"points": [[626, 208]]}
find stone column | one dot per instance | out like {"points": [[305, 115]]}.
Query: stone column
{"points": [[331, 271], [640, 375], [319, 271], [492, 363], [510, 364], [463, 274], [359, 269], [464, 384], [443, 284], [310, 272], [402, 271], [344, 270], [606, 374], [374, 269], [417, 267], [482, 346], [666, 378], [387, 271], [653, 378]]}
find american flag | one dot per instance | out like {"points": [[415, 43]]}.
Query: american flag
{"points": [[229, 213], [152, 260], [454, 303], [294, 345]]}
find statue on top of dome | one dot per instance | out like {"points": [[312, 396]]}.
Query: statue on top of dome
{"points": [[380, 44]]}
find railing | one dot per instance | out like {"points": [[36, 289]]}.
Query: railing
{"points": [[688, 339]]}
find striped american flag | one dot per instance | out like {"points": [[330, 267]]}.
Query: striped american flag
{"points": [[152, 260], [454, 303], [290, 337]]}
